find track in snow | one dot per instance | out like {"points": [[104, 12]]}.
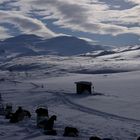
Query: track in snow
{"points": [[84, 109], [92, 111]]}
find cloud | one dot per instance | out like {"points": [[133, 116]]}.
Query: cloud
{"points": [[4, 33], [90, 16], [25, 24], [133, 1], [81, 15]]}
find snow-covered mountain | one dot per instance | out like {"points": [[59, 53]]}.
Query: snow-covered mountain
{"points": [[26, 52], [20, 45], [120, 53], [35, 45], [96, 62], [67, 46], [32, 45]]}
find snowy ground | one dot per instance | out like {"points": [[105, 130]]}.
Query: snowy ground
{"points": [[112, 112]]}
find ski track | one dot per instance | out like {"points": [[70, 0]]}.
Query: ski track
{"points": [[92, 111], [67, 101]]}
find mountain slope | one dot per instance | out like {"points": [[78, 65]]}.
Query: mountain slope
{"points": [[67, 45], [33, 45], [20, 45], [24, 38]]}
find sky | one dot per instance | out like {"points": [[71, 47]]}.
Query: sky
{"points": [[105, 22]]}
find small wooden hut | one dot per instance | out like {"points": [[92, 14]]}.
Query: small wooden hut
{"points": [[83, 87]]}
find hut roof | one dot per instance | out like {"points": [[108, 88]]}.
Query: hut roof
{"points": [[84, 82]]}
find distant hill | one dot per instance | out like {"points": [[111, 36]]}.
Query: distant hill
{"points": [[24, 38], [67, 45], [35, 45]]}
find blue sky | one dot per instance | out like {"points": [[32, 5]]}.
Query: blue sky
{"points": [[106, 22]]}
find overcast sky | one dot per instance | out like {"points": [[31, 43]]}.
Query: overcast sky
{"points": [[108, 22]]}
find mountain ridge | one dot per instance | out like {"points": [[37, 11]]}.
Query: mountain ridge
{"points": [[60, 45]]}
